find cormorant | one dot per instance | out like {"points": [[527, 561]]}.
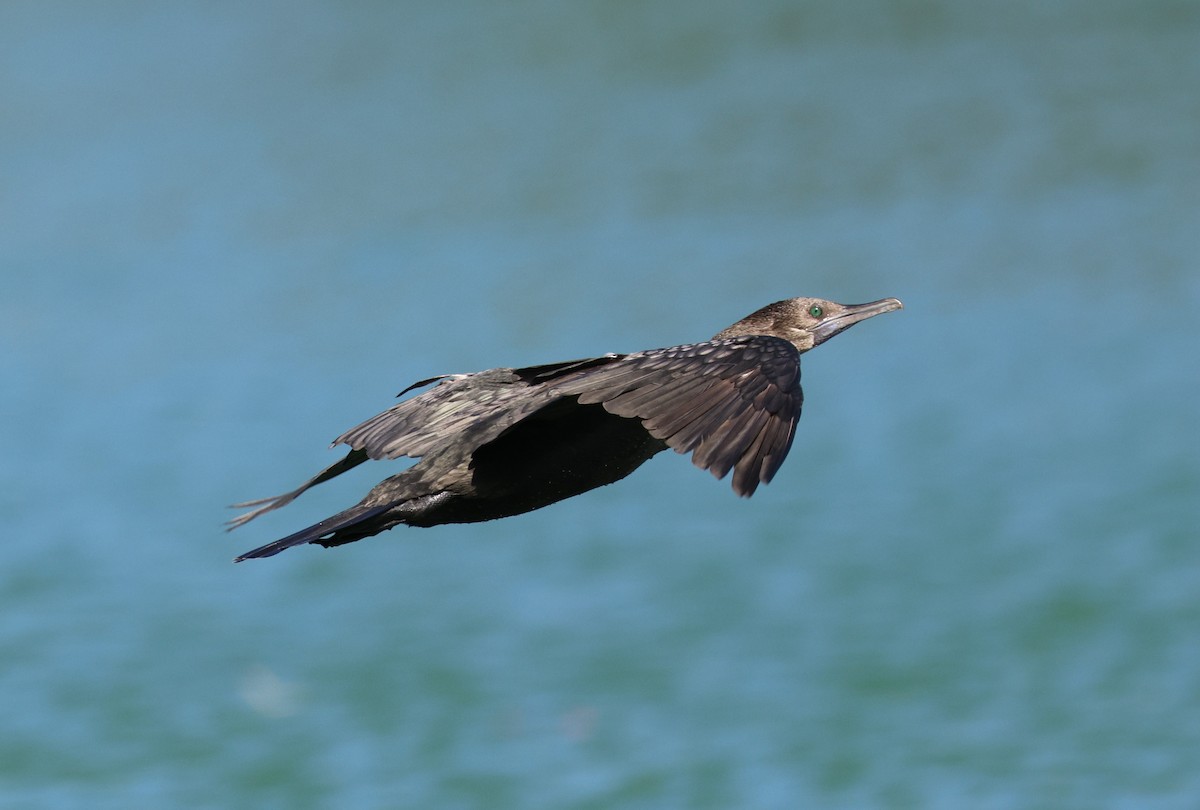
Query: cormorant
{"points": [[510, 440]]}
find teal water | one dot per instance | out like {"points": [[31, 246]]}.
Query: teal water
{"points": [[229, 233]]}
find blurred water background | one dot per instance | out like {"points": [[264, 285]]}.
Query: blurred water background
{"points": [[230, 231]]}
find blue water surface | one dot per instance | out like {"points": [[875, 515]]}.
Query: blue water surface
{"points": [[228, 233]]}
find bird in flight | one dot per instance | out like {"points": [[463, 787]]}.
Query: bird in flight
{"points": [[506, 441]]}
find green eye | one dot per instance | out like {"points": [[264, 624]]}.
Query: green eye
{"points": [[816, 311]]}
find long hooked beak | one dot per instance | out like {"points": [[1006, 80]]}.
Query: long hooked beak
{"points": [[850, 315]]}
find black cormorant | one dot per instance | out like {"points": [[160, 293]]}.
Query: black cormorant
{"points": [[510, 440]]}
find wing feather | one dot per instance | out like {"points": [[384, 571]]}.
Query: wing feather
{"points": [[732, 403], [721, 450]]}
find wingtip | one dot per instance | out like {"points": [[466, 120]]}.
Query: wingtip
{"points": [[744, 489]]}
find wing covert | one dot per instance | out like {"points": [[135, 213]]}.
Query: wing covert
{"points": [[484, 403]]}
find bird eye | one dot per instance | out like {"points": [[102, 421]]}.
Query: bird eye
{"points": [[816, 311]]}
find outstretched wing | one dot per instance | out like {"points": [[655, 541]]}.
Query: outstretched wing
{"points": [[732, 403], [475, 408], [472, 407]]}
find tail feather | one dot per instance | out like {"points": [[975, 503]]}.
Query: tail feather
{"points": [[351, 460], [353, 516]]}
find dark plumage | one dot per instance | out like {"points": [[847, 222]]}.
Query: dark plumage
{"points": [[510, 440]]}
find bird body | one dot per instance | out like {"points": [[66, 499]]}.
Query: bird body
{"points": [[506, 441]]}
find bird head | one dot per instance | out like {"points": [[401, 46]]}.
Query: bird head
{"points": [[807, 322]]}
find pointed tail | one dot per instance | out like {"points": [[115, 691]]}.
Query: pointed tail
{"points": [[353, 516]]}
